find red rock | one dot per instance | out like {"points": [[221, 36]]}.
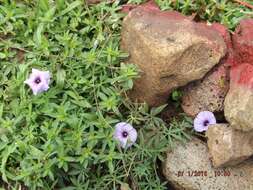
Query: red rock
{"points": [[224, 32], [152, 8], [127, 8], [238, 106], [243, 41], [150, 5], [242, 74], [230, 59]]}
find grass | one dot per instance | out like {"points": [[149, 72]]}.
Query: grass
{"points": [[62, 138]]}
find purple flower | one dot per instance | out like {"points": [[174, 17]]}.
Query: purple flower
{"points": [[125, 134], [203, 120], [38, 81]]}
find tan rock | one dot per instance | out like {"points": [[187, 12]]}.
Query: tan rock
{"points": [[228, 146], [238, 105], [169, 49], [207, 94], [192, 159]]}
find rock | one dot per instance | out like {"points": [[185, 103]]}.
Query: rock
{"points": [[127, 8], [230, 59], [151, 5], [238, 105], [185, 165], [169, 49], [243, 41], [227, 146], [209, 93]]}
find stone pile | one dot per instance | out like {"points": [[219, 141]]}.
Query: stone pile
{"points": [[215, 71], [188, 167]]}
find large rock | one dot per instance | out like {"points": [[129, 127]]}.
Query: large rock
{"points": [[209, 93], [192, 159], [228, 146], [170, 51], [238, 107], [243, 41]]}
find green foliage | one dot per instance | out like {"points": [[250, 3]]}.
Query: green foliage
{"points": [[135, 1], [176, 97], [63, 137], [226, 12]]}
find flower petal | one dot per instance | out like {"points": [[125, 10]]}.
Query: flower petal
{"points": [[43, 85], [201, 118], [127, 141]]}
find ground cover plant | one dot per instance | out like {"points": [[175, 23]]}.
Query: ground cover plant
{"points": [[63, 138], [227, 12]]}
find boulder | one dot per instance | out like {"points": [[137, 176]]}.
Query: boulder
{"points": [[170, 51], [227, 146], [209, 93], [188, 167], [243, 41], [238, 105]]}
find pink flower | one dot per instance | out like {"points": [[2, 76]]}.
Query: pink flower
{"points": [[38, 81], [203, 120], [125, 134]]}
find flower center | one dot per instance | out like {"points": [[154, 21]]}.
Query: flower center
{"points": [[37, 80], [206, 122], [125, 134]]}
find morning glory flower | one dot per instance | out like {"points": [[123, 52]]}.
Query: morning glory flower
{"points": [[125, 134], [203, 120], [38, 81]]}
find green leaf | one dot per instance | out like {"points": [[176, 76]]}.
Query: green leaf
{"points": [[2, 55], [5, 155], [176, 95], [156, 111], [38, 34], [71, 7], [82, 103], [1, 109], [60, 78], [44, 5]]}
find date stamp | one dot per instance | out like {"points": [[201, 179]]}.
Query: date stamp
{"points": [[205, 173], [192, 173]]}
